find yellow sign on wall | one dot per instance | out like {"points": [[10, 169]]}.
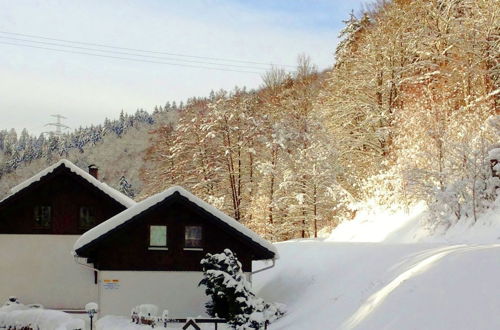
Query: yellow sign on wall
{"points": [[111, 284]]}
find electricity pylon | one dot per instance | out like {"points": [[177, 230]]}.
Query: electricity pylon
{"points": [[59, 126]]}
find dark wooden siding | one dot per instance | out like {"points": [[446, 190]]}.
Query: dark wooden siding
{"points": [[127, 248], [65, 192]]}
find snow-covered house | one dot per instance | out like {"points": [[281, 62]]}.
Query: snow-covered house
{"points": [[40, 220], [151, 252]]}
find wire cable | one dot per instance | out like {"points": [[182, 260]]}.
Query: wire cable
{"points": [[131, 54], [145, 51], [129, 59]]}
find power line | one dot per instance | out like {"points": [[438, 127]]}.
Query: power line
{"points": [[128, 59], [145, 51], [131, 54]]}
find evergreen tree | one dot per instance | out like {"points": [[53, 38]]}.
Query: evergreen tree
{"points": [[232, 298], [125, 187]]}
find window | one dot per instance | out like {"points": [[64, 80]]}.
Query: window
{"points": [[43, 216], [87, 217], [158, 237], [193, 237]]}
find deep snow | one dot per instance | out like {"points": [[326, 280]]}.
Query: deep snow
{"points": [[20, 316], [331, 285], [390, 271]]}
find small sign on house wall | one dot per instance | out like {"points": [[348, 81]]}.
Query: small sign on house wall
{"points": [[111, 284]]}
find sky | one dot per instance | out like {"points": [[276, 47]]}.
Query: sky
{"points": [[36, 83]]}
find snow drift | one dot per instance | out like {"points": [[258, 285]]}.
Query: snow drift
{"points": [[390, 270], [21, 317], [331, 285], [375, 224]]}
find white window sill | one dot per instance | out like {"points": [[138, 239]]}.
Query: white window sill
{"points": [[152, 248], [193, 249]]}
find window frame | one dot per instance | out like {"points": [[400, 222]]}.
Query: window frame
{"points": [[92, 214], [158, 247], [201, 240], [37, 210]]}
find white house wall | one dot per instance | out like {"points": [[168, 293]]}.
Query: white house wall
{"points": [[178, 292], [40, 269]]}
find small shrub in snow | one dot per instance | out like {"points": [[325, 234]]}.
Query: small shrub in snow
{"points": [[145, 314], [231, 296]]}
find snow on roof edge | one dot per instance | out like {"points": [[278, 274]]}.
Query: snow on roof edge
{"points": [[138, 208], [111, 192]]}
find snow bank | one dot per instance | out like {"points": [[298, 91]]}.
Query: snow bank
{"points": [[390, 270], [389, 226], [38, 318], [485, 230], [375, 224], [333, 285]]}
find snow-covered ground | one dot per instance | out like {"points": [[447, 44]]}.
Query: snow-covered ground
{"points": [[19, 316], [332, 285], [387, 271], [374, 224]]}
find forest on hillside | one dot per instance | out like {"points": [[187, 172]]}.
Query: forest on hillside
{"points": [[407, 112]]}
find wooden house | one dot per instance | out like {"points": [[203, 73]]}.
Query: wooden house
{"points": [[40, 220], [151, 252]]}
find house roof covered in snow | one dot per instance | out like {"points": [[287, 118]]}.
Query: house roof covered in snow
{"points": [[99, 232], [113, 193]]}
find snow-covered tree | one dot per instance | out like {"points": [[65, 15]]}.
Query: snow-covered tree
{"points": [[231, 295], [125, 187]]}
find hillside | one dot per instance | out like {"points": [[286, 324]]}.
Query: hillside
{"points": [[406, 114], [404, 278], [117, 148]]}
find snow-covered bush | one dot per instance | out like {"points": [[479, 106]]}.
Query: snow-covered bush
{"points": [[466, 196], [145, 314], [463, 184], [231, 295], [21, 317], [16, 316]]}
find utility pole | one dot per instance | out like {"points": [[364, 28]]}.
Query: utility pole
{"points": [[59, 126]]}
